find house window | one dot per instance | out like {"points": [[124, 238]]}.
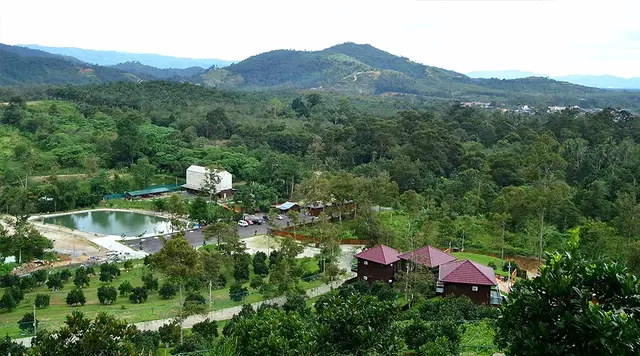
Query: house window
{"points": [[365, 262], [474, 288], [365, 277]]}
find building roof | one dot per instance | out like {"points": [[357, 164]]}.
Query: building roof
{"points": [[467, 272], [428, 256], [136, 193], [380, 254], [200, 169], [286, 205]]}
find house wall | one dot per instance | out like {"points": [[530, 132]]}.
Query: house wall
{"points": [[482, 296], [197, 179], [376, 271]]}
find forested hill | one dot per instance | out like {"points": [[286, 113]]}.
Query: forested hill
{"points": [[364, 69], [20, 65], [142, 70]]}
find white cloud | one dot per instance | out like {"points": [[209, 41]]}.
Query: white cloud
{"points": [[555, 37]]}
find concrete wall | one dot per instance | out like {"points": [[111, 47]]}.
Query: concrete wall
{"points": [[198, 178]]}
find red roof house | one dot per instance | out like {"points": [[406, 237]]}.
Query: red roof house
{"points": [[379, 263], [467, 278], [428, 256]]}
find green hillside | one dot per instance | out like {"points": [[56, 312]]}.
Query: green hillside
{"points": [[26, 66], [142, 70], [365, 69]]}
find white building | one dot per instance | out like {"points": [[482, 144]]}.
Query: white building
{"points": [[197, 177]]}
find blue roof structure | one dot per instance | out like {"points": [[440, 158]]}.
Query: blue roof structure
{"points": [[286, 205], [147, 191]]}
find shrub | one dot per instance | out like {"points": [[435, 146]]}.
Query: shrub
{"points": [[54, 282], [222, 280], [149, 282], [237, 292], [27, 283], [256, 282], [27, 323], [40, 275], [168, 290], [82, 278], [195, 298], [421, 332], [128, 264], [76, 297], [65, 275], [193, 284], [7, 302], [108, 272], [296, 302], [273, 257], [90, 270], [10, 280], [492, 265], [107, 294], [138, 295], [42, 300], [146, 342], [241, 267], [208, 329], [16, 293], [170, 333], [125, 288], [260, 264]]}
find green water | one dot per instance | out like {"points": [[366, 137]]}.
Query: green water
{"points": [[113, 223]]}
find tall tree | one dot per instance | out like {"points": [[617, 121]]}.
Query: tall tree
{"points": [[179, 261], [128, 146], [143, 172]]}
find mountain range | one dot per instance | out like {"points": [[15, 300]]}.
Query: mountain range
{"points": [[596, 81], [109, 58], [347, 67]]}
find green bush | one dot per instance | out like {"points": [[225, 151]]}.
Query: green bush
{"points": [[168, 290], [27, 323], [207, 329], [125, 288], [138, 295], [237, 292], [42, 300], [75, 297], [107, 294]]}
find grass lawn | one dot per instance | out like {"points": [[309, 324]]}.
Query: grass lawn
{"points": [[483, 259], [154, 308], [477, 340], [145, 204]]}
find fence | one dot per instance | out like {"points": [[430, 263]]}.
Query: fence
{"points": [[311, 239]]}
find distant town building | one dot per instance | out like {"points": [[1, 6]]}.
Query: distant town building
{"points": [[197, 178]]}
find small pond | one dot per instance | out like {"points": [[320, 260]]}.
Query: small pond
{"points": [[108, 222]]}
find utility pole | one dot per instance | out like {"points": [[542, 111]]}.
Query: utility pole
{"points": [[35, 323]]}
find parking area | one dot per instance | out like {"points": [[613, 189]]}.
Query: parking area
{"points": [[196, 238]]}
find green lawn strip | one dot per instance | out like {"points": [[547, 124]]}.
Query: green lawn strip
{"points": [[154, 308], [483, 259]]}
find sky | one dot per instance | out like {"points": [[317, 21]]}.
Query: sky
{"points": [[552, 37]]}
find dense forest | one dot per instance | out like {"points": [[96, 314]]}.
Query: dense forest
{"points": [[483, 179]]}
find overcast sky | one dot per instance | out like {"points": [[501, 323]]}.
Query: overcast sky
{"points": [[553, 37]]}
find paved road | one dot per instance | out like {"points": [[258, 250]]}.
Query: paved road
{"points": [[196, 238]]}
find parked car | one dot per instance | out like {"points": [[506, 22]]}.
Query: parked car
{"points": [[249, 222], [279, 217], [265, 217], [257, 221], [242, 223]]}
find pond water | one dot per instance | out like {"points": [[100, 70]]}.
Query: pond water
{"points": [[105, 222]]}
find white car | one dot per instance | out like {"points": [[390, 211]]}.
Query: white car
{"points": [[243, 223], [279, 217]]}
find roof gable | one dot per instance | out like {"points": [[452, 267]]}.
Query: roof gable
{"points": [[380, 254], [467, 272], [428, 256]]}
